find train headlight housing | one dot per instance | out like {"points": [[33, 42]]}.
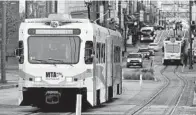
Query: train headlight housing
{"points": [[69, 79], [38, 78]]}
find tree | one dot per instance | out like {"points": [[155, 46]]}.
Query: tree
{"points": [[12, 18]]}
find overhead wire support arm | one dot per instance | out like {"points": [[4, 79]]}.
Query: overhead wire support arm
{"points": [[101, 17]]}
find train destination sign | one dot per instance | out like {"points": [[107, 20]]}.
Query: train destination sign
{"points": [[54, 31]]}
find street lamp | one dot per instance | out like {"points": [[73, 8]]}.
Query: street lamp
{"points": [[88, 4], [160, 17], [190, 34], [125, 26]]}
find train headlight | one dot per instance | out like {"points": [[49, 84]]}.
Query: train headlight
{"points": [[38, 78], [69, 79], [140, 60]]}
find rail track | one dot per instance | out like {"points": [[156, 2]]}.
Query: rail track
{"points": [[185, 82], [176, 97]]}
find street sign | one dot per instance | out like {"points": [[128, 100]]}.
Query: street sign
{"points": [[101, 12], [141, 15], [129, 41]]}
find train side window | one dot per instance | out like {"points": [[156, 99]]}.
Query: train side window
{"points": [[119, 54], [116, 54], [89, 52], [114, 58], [104, 53], [99, 52], [102, 56]]}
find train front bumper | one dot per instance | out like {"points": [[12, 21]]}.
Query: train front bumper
{"points": [[42, 96]]}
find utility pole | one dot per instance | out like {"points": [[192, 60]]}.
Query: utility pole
{"points": [[150, 13], [190, 34], [119, 14], [89, 16], [159, 17], [88, 4], [3, 44], [125, 26]]}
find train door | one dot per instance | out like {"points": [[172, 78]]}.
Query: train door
{"points": [[109, 67], [94, 72]]}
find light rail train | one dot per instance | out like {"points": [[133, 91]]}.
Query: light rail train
{"points": [[60, 57], [172, 48]]}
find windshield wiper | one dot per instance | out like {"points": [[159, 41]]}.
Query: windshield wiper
{"points": [[58, 61], [43, 61]]}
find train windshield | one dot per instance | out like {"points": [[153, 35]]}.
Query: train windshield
{"points": [[54, 50], [176, 48], [172, 48]]}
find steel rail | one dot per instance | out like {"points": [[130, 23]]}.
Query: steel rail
{"points": [[142, 106], [179, 98]]}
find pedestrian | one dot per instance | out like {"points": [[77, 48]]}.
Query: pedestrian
{"points": [[185, 59]]}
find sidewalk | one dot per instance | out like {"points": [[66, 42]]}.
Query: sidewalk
{"points": [[190, 73], [11, 79]]}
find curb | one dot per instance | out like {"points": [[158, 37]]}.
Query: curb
{"points": [[8, 86]]}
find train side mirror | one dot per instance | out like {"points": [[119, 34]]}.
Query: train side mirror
{"points": [[16, 52]]}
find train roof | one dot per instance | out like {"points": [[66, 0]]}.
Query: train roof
{"points": [[57, 17], [63, 19], [107, 31], [175, 38]]}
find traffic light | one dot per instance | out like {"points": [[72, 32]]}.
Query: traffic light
{"points": [[193, 28], [192, 25]]}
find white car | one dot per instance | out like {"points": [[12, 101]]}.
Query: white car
{"points": [[154, 46], [148, 33], [134, 59]]}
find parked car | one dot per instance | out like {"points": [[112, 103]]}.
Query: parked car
{"points": [[134, 59], [145, 52], [159, 27], [154, 46]]}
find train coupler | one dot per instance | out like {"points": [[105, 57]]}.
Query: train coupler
{"points": [[52, 97]]}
